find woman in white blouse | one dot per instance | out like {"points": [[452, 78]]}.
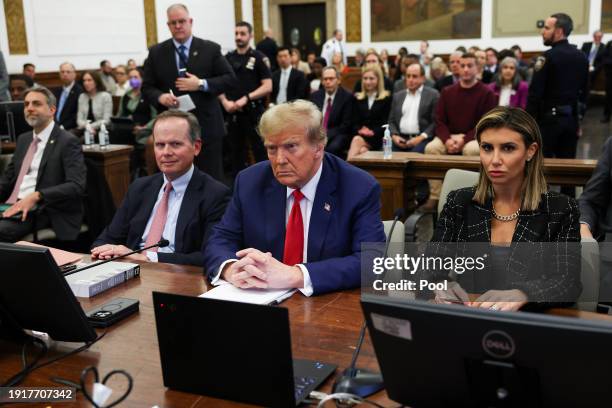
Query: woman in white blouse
{"points": [[95, 104], [508, 86]]}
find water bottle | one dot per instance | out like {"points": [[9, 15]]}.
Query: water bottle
{"points": [[88, 135], [387, 143], [103, 136]]}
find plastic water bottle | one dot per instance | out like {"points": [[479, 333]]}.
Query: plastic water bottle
{"points": [[103, 136], [387, 143], [88, 135]]}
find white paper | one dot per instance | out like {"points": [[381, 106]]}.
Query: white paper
{"points": [[227, 291], [185, 103]]}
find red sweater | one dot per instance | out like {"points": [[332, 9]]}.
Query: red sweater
{"points": [[459, 109]]}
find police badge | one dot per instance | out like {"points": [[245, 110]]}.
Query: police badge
{"points": [[251, 63]]}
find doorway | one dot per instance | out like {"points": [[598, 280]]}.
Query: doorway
{"points": [[304, 27]]}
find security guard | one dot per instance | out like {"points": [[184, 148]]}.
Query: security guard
{"points": [[332, 46], [244, 102], [559, 89]]}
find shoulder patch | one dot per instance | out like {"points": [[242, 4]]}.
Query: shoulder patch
{"points": [[539, 64], [266, 60]]}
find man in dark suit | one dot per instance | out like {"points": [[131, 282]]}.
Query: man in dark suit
{"points": [[336, 105], [594, 51], [454, 63], [46, 175], [269, 48], [187, 65], [180, 204], [288, 84], [297, 221], [67, 97]]}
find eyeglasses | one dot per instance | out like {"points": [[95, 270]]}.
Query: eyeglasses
{"points": [[177, 22]]}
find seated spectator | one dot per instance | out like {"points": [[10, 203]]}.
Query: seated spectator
{"points": [[486, 77], [518, 54], [438, 70], [401, 52], [386, 64], [400, 84], [411, 120], [372, 58], [459, 109], [338, 63], [95, 104], [492, 58], [46, 174], [426, 58], [288, 84], [316, 246], [297, 63], [371, 109], [455, 71], [131, 64], [336, 105], [180, 204], [123, 84], [311, 57], [314, 78], [359, 58], [18, 84], [29, 69], [106, 75], [511, 204], [67, 97], [523, 71], [134, 106], [508, 87]]}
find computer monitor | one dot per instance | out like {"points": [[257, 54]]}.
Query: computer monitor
{"points": [[433, 355], [34, 295], [12, 120]]}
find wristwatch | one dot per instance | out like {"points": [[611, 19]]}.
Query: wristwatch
{"points": [[202, 85]]}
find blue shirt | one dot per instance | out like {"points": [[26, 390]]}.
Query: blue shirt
{"points": [[175, 199], [187, 45]]}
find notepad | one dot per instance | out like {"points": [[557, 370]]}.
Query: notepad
{"points": [[227, 291], [185, 103]]}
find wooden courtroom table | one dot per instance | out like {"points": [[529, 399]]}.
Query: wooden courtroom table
{"points": [[397, 176], [323, 327], [113, 161]]}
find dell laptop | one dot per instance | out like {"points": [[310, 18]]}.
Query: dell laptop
{"points": [[231, 350]]}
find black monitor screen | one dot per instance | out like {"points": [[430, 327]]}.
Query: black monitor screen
{"points": [[12, 117]]}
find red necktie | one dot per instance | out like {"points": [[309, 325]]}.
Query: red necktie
{"points": [[25, 167], [327, 113], [294, 236], [159, 220]]}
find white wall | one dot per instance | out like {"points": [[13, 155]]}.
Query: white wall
{"points": [[533, 43], [86, 31]]}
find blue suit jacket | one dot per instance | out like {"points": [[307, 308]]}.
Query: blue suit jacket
{"points": [[345, 213], [202, 207]]}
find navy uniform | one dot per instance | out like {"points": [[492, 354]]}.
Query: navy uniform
{"points": [[250, 68], [557, 93]]}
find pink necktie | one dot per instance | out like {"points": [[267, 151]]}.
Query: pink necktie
{"points": [[25, 167], [327, 112], [294, 235], [159, 220]]}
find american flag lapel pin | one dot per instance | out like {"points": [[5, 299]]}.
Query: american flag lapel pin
{"points": [[327, 207]]}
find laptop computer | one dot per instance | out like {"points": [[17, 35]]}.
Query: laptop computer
{"points": [[231, 350]]}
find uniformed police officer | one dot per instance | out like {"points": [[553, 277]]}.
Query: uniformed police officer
{"points": [[244, 101], [559, 89], [332, 46]]}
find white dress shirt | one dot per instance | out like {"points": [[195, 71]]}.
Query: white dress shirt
{"points": [[409, 122], [282, 85], [371, 100], [28, 184], [175, 199], [309, 191]]}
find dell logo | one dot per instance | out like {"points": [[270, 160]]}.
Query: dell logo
{"points": [[498, 344]]}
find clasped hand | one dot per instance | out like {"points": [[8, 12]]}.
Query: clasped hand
{"points": [[256, 269]]}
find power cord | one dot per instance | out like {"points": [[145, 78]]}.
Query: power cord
{"points": [[346, 399]]}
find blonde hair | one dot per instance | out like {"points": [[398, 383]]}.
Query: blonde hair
{"points": [[292, 115], [381, 92], [534, 182]]}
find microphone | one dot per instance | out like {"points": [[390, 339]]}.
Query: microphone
{"points": [[162, 243], [355, 380]]}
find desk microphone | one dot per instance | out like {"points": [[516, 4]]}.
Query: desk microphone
{"points": [[162, 243], [355, 380]]}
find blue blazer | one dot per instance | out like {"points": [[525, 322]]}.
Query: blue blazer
{"points": [[346, 212], [202, 207]]}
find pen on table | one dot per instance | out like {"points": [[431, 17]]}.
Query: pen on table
{"points": [[282, 298]]}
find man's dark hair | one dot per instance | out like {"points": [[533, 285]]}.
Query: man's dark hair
{"points": [[564, 22], [320, 60], [21, 77], [468, 55], [245, 24], [516, 47], [421, 68], [283, 48], [28, 65], [492, 49], [102, 63], [505, 53], [461, 48]]}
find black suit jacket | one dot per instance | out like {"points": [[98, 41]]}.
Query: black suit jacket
{"points": [[373, 118], [297, 88], [444, 82], [596, 199], [339, 122], [202, 207], [61, 180], [68, 118], [586, 49], [206, 62]]}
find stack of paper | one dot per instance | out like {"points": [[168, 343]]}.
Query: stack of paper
{"points": [[227, 291]]}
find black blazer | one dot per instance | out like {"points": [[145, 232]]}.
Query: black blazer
{"points": [[206, 62], [61, 180], [202, 207], [339, 122], [596, 199], [444, 82], [531, 268], [68, 118], [373, 118], [586, 49], [297, 88]]}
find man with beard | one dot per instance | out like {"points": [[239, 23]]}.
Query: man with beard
{"points": [[244, 101], [46, 175]]}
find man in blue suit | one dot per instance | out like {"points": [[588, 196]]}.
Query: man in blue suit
{"points": [[180, 204], [299, 219]]}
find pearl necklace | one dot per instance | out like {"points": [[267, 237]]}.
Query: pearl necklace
{"points": [[506, 218]]}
